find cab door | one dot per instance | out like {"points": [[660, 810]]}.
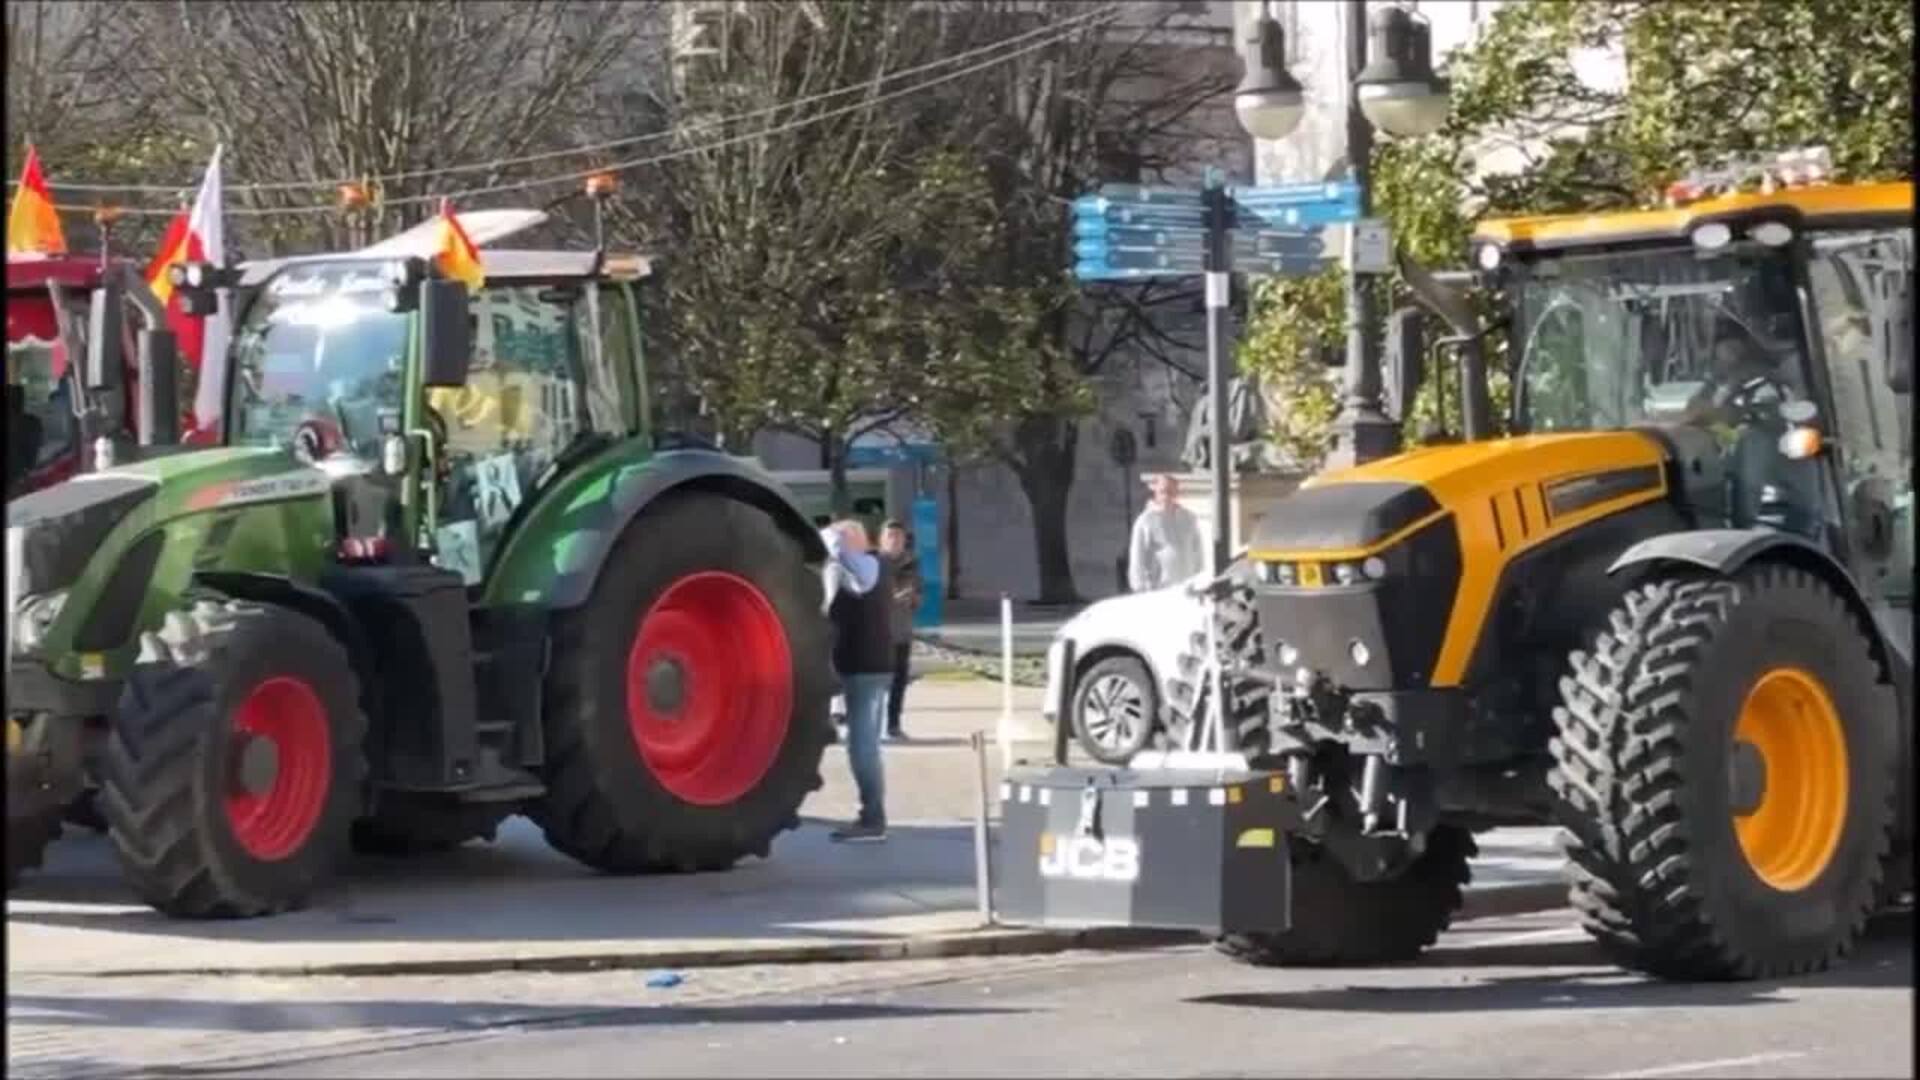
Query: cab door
{"points": [[529, 403], [1862, 285]]}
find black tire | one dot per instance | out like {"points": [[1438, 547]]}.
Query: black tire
{"points": [[84, 811], [1190, 692], [1642, 758], [1340, 922], [27, 838], [33, 815], [1146, 726], [166, 766], [604, 805], [404, 823]]}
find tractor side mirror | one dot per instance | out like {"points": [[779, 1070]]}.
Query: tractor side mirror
{"points": [[159, 404], [105, 349], [195, 283], [1406, 366], [448, 332]]}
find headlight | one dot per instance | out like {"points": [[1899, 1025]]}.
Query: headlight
{"points": [[1375, 567], [34, 617], [1283, 573], [1346, 573]]}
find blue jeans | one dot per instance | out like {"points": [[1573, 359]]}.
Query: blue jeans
{"points": [[866, 717]]}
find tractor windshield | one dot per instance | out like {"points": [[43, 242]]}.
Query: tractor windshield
{"points": [[1611, 339], [318, 346]]}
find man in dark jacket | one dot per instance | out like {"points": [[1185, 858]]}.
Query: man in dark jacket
{"points": [[863, 657], [896, 550]]}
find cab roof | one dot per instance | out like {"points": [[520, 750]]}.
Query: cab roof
{"points": [[498, 264], [80, 270], [1823, 205]]}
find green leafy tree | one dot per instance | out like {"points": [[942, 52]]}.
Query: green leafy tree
{"points": [[1705, 82]]}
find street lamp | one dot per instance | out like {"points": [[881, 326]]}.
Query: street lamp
{"points": [[1269, 100], [1400, 94], [1398, 91]]}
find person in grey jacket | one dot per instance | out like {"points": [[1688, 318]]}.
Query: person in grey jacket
{"points": [[896, 547], [1166, 546]]}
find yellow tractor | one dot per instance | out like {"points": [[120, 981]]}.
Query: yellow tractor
{"points": [[1668, 610]]}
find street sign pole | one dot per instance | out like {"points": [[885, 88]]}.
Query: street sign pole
{"points": [[1219, 266]]}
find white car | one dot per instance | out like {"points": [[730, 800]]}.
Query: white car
{"points": [[1125, 649]]}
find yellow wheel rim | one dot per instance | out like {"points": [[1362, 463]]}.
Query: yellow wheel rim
{"points": [[1789, 836]]}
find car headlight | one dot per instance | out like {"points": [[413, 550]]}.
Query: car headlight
{"points": [[34, 617]]}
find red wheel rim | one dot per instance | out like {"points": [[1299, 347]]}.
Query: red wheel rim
{"points": [[272, 824], [709, 687]]}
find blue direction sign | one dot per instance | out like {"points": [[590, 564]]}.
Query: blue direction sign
{"points": [[1141, 193], [1166, 262], [1131, 231], [1251, 262], [1296, 206], [1277, 242]]}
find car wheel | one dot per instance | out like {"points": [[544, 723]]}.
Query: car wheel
{"points": [[1115, 709]]}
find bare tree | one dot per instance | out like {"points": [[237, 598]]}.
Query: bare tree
{"points": [[65, 96], [811, 235], [1111, 100], [317, 91]]}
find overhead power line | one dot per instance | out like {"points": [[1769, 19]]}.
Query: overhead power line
{"points": [[1049, 35]]}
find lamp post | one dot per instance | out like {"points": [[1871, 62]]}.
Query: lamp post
{"points": [[1397, 92]]}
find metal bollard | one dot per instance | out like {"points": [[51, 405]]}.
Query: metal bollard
{"points": [[982, 857]]}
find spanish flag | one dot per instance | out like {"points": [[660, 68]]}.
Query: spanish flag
{"points": [[33, 225], [457, 257]]}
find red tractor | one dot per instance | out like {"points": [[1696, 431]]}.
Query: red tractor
{"points": [[53, 419]]}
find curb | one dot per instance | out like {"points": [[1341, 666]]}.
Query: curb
{"points": [[1495, 900]]}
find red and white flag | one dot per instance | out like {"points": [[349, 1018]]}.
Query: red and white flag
{"points": [[198, 235]]}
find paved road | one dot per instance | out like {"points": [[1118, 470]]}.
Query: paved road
{"points": [[1520, 996]]}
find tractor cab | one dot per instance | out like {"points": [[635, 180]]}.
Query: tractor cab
{"points": [[50, 408], [1759, 324], [439, 413]]}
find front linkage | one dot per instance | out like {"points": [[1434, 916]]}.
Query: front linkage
{"points": [[1276, 854]]}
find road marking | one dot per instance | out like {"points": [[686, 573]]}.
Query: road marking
{"points": [[1569, 933], [1703, 1066]]}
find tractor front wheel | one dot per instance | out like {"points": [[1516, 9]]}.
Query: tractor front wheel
{"points": [[233, 766], [1338, 921], [1238, 647], [1724, 770], [686, 709]]}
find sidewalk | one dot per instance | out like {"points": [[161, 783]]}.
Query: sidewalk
{"points": [[515, 904]]}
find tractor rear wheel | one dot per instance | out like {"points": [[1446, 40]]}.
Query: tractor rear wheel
{"points": [[1340, 922], [1724, 770], [233, 765], [404, 823], [686, 708]]}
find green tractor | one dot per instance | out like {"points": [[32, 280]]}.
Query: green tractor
{"points": [[451, 562]]}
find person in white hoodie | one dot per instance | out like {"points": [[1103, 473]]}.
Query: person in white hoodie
{"points": [[1166, 546], [859, 602]]}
